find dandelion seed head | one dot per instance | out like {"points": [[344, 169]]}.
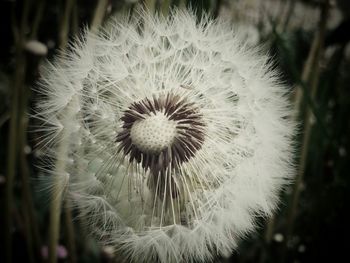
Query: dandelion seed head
{"points": [[176, 138]]}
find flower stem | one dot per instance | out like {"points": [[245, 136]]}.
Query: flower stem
{"points": [[12, 158], [63, 148], [165, 6], [55, 208], [70, 235], [311, 76], [64, 30], [99, 14], [61, 154], [33, 237], [18, 82], [150, 5]]}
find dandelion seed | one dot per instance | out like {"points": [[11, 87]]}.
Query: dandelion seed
{"points": [[177, 137]]}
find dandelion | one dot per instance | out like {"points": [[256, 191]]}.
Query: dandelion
{"points": [[173, 135]]}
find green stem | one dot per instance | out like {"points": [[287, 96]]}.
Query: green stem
{"points": [[217, 7], [290, 11], [150, 5], [165, 7], [64, 30], [60, 179], [56, 198], [312, 77], [11, 163], [70, 234], [18, 81], [61, 154], [33, 237], [99, 15], [75, 19], [37, 19]]}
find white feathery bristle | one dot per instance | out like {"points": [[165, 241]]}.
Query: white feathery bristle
{"points": [[176, 136]]}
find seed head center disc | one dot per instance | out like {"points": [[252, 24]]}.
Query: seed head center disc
{"points": [[154, 133], [161, 132]]}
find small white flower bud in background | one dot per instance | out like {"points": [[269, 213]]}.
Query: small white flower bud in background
{"points": [[278, 237], [35, 47], [27, 149]]}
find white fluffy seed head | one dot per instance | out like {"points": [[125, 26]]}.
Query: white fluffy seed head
{"points": [[154, 133], [176, 136]]}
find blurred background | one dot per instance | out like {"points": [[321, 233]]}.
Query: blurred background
{"points": [[309, 42]]}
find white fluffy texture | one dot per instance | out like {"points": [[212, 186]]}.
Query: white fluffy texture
{"points": [[235, 177]]}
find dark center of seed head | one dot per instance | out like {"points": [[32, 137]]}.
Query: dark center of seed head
{"points": [[161, 133]]}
